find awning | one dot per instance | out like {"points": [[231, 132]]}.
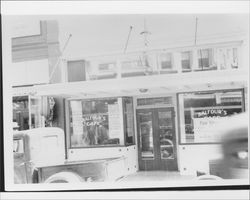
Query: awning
{"points": [[146, 85]]}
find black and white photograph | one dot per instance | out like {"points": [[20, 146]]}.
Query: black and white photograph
{"points": [[113, 98]]}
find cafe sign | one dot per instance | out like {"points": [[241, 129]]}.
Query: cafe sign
{"points": [[94, 120], [211, 113]]}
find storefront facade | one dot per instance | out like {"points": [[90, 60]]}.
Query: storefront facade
{"points": [[154, 118], [150, 131]]}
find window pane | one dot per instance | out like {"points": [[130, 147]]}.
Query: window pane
{"points": [[235, 58], [130, 65], [166, 134], [199, 111], [186, 60], [21, 113], [146, 135], [76, 71], [204, 58], [166, 61], [96, 122], [107, 66], [129, 121]]}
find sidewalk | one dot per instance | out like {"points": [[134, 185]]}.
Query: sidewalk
{"points": [[156, 176]]}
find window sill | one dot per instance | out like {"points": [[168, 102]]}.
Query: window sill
{"points": [[201, 143], [99, 146]]}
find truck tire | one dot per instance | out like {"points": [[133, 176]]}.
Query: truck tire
{"points": [[64, 177]]}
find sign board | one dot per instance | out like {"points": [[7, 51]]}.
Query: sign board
{"points": [[211, 113]]}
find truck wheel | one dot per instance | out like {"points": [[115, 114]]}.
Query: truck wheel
{"points": [[64, 177]]}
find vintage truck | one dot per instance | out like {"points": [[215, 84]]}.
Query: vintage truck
{"points": [[39, 157]]}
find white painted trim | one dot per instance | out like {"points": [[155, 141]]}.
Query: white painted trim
{"points": [[174, 81], [184, 45]]}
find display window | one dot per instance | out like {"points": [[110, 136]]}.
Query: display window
{"points": [[101, 122], [200, 111]]}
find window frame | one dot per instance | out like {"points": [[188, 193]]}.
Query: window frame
{"points": [[242, 90], [111, 67], [190, 54], [200, 54], [68, 121], [160, 60], [124, 127]]}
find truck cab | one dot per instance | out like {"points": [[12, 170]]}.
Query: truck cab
{"points": [[34, 149]]}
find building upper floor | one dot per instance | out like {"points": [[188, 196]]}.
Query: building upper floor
{"points": [[230, 55], [37, 59]]}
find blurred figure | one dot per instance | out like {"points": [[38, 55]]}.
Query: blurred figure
{"points": [[234, 164]]}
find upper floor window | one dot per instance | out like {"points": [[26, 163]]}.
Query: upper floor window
{"points": [[235, 58], [205, 58], [107, 67], [186, 60], [166, 61], [227, 57], [98, 70], [131, 65], [76, 70]]}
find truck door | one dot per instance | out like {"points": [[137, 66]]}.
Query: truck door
{"points": [[23, 167]]}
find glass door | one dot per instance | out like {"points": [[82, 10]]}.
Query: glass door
{"points": [[148, 159], [156, 139], [167, 138]]}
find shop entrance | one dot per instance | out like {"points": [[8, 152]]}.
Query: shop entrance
{"points": [[156, 139]]}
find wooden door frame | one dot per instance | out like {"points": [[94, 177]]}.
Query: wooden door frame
{"points": [[157, 154], [138, 134]]}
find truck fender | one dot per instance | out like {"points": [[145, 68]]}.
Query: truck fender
{"points": [[64, 177]]}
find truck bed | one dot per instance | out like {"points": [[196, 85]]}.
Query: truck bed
{"points": [[94, 170]]}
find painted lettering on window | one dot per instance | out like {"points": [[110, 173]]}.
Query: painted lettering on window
{"points": [[211, 113]]}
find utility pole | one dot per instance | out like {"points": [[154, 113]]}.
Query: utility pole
{"points": [[126, 45]]}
